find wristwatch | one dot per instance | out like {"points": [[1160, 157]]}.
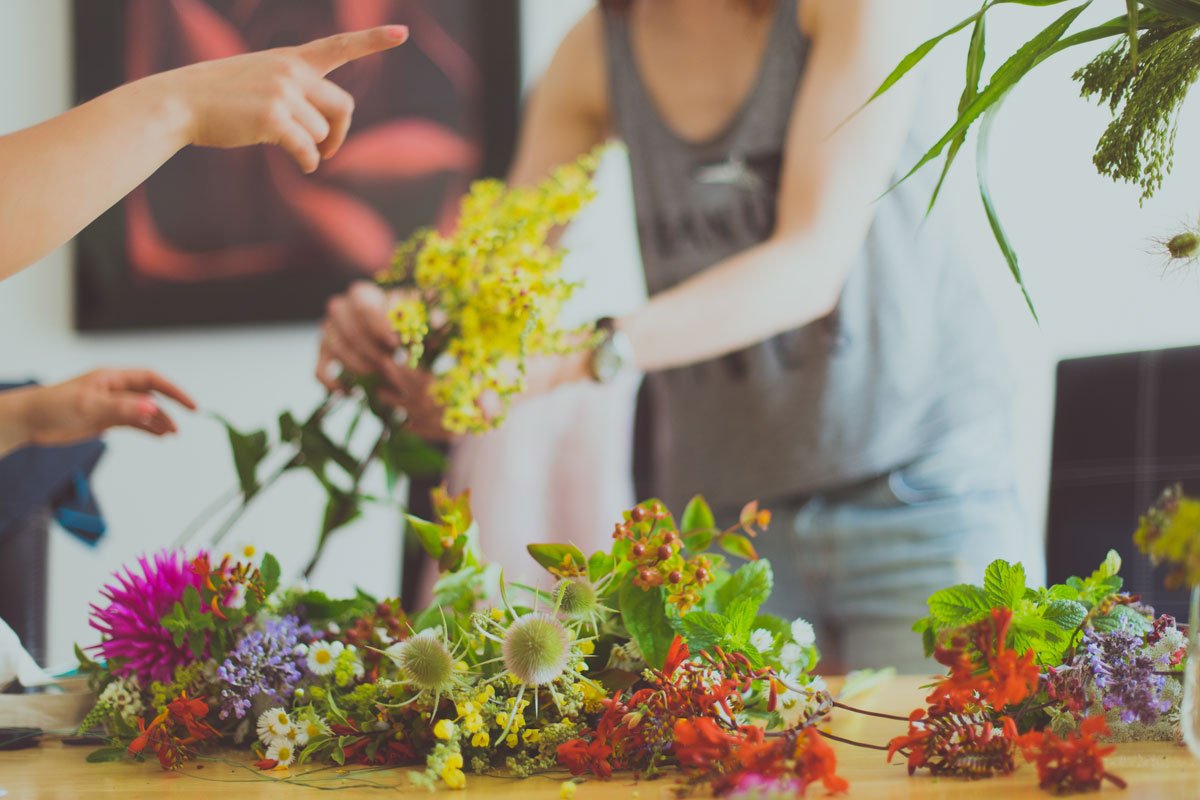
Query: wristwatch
{"points": [[612, 355]]}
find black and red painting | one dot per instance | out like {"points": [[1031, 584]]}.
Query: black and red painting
{"points": [[242, 236]]}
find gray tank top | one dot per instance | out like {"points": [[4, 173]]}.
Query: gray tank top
{"points": [[905, 367]]}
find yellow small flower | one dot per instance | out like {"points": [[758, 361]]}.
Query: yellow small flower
{"points": [[567, 790], [497, 614], [454, 761], [511, 740], [581, 667], [444, 730], [532, 736], [502, 719], [473, 723], [461, 666], [481, 739], [454, 778], [466, 708], [587, 647]]}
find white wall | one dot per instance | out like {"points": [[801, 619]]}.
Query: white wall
{"points": [[1083, 241]]}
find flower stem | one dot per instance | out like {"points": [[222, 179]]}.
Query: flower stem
{"points": [[845, 707], [834, 738]]}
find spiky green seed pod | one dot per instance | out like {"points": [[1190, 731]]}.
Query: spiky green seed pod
{"points": [[424, 660], [577, 599], [536, 649], [1184, 245]]}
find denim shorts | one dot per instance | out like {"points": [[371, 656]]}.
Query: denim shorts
{"points": [[860, 563]]}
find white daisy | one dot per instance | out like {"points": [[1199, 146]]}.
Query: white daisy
{"points": [[322, 657], [282, 752], [312, 728], [791, 654], [272, 724], [762, 640], [803, 633]]}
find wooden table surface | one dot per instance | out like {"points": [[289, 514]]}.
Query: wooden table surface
{"points": [[57, 772]]}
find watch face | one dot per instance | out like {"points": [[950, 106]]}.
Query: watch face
{"points": [[607, 362]]}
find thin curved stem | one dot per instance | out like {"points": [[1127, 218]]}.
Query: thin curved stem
{"points": [[845, 707]]}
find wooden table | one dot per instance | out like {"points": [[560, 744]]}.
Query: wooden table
{"points": [[55, 772]]}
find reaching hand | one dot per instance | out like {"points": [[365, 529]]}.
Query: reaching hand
{"points": [[84, 407], [278, 97]]}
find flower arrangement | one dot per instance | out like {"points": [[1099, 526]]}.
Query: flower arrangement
{"points": [[1042, 673], [1143, 78], [472, 306], [653, 654]]}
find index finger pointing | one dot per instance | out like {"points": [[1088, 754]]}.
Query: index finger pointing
{"points": [[326, 55]]}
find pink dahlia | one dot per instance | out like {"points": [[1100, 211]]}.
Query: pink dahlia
{"points": [[134, 640]]}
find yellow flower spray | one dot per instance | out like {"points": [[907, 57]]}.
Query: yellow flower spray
{"points": [[485, 298]]}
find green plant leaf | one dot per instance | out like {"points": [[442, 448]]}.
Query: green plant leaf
{"points": [[249, 450], [976, 55], [552, 556], [737, 545], [959, 605], [741, 615], [270, 573], [429, 534], [1109, 567], [989, 208], [599, 565], [1005, 77], [753, 580], [645, 617], [699, 541], [107, 755], [1004, 584], [697, 516], [1066, 614], [191, 601], [408, 454], [701, 629]]}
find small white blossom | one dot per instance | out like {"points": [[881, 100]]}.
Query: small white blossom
{"points": [[322, 657], [791, 654], [762, 640], [282, 751], [272, 724], [803, 633]]}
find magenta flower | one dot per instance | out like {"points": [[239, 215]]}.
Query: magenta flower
{"points": [[135, 642]]}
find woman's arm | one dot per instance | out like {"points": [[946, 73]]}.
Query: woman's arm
{"points": [[830, 182], [58, 176], [565, 116]]}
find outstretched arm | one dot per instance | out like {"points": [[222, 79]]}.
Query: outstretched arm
{"points": [[60, 175]]}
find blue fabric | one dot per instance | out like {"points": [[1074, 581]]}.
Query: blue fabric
{"points": [[36, 477]]}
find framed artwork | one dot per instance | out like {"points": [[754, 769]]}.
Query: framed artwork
{"points": [[242, 236]]}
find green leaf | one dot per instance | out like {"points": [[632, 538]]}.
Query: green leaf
{"points": [[289, 429], [697, 516], [1004, 584], [989, 208], [753, 580], [1183, 9], [429, 534], [1109, 567], [599, 565], [270, 573], [191, 601], [552, 556], [976, 55], [959, 605], [196, 644], [741, 615], [106, 755], [1011, 71], [408, 454], [701, 629], [699, 541], [737, 545], [645, 617], [249, 450], [1066, 614]]}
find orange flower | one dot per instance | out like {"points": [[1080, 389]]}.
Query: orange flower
{"points": [[1073, 764]]}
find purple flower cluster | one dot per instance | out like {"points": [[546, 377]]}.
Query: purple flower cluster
{"points": [[1125, 675], [265, 663]]}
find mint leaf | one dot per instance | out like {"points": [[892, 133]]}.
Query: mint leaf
{"points": [[270, 573], [741, 614], [1066, 614], [753, 581], [701, 629], [958, 605], [1004, 584]]}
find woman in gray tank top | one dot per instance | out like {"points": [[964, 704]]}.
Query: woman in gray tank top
{"points": [[803, 344]]}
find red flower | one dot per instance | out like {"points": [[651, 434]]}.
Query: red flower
{"points": [[1073, 764], [164, 738], [582, 757], [701, 744], [948, 742], [816, 761]]}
